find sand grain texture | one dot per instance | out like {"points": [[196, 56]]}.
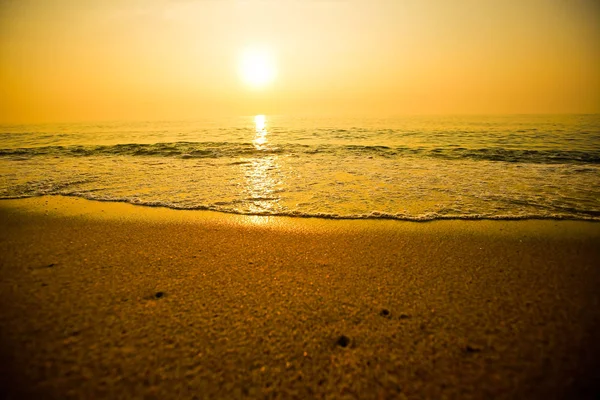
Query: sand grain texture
{"points": [[286, 308]]}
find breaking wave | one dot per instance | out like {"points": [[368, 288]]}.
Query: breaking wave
{"points": [[191, 150]]}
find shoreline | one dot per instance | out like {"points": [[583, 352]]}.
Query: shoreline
{"points": [[374, 216], [109, 300]]}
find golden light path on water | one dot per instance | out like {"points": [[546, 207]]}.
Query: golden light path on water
{"points": [[261, 172], [260, 122]]}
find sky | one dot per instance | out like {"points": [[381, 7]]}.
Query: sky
{"points": [[72, 60]]}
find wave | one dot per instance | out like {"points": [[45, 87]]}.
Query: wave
{"points": [[194, 150], [574, 215]]}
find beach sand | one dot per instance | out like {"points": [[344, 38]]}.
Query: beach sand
{"points": [[111, 300]]}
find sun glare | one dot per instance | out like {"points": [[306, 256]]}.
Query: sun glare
{"points": [[257, 68]]}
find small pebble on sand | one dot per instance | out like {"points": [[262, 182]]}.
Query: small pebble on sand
{"points": [[343, 341]]}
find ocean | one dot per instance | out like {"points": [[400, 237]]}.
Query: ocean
{"points": [[410, 168]]}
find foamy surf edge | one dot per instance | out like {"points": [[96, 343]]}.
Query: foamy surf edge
{"points": [[373, 215]]}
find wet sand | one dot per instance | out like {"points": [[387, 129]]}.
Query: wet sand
{"points": [[102, 300]]}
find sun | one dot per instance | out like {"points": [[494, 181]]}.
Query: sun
{"points": [[257, 67]]}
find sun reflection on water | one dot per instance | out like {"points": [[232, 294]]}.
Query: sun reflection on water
{"points": [[260, 138], [262, 173]]}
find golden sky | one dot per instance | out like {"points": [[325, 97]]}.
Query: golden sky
{"points": [[74, 60]]}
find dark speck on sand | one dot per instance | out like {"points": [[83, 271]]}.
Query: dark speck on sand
{"points": [[343, 341]]}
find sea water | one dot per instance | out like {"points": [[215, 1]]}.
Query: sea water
{"points": [[408, 168]]}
